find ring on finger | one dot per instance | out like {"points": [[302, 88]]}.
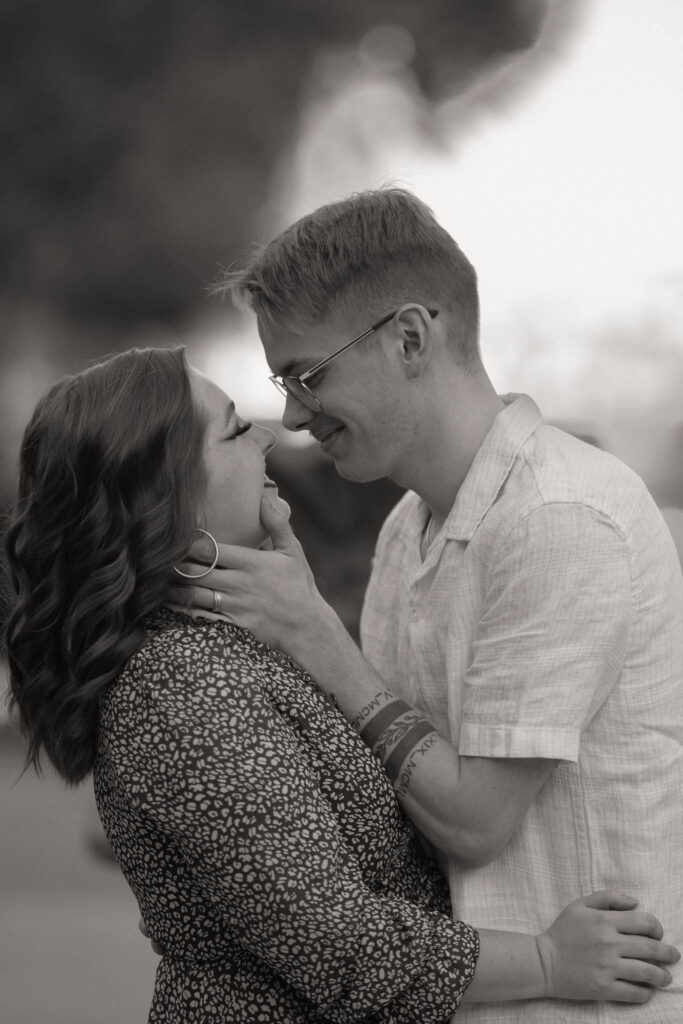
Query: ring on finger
{"points": [[217, 598]]}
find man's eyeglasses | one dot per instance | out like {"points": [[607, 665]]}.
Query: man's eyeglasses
{"points": [[297, 386]]}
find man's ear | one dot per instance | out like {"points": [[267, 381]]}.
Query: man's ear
{"points": [[414, 326]]}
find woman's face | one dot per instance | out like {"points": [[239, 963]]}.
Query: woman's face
{"points": [[234, 462]]}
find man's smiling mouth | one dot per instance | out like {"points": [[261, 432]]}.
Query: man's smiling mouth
{"points": [[327, 437]]}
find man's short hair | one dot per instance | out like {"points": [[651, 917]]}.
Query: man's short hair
{"points": [[371, 252]]}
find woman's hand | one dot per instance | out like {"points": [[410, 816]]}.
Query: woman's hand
{"points": [[600, 947]]}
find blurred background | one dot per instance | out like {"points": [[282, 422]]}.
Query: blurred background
{"points": [[147, 144]]}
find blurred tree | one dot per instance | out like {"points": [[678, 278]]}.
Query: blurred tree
{"points": [[139, 137]]}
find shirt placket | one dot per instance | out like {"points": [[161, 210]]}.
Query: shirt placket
{"points": [[412, 640]]}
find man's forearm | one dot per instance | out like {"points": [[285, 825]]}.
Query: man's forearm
{"points": [[427, 781], [467, 807], [324, 648]]}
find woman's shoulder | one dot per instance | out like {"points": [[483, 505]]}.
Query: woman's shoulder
{"points": [[183, 655], [193, 685], [186, 674]]}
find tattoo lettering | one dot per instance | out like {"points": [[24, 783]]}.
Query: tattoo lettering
{"points": [[381, 698], [406, 773]]}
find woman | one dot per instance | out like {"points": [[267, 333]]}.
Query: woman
{"points": [[260, 836]]}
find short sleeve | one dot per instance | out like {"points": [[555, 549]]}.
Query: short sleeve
{"points": [[243, 805], [552, 638]]}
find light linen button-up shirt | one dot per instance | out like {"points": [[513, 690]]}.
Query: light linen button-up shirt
{"points": [[546, 620]]}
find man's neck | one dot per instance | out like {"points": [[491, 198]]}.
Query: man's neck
{"points": [[444, 452]]}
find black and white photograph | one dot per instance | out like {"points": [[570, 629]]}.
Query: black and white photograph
{"points": [[341, 512]]}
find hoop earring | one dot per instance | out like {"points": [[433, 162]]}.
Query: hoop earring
{"points": [[198, 575]]}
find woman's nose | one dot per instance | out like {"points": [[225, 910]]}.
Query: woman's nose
{"points": [[265, 438]]}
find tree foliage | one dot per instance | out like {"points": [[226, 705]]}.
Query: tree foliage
{"points": [[140, 134]]}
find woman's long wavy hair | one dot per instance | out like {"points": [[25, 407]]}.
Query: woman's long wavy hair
{"points": [[111, 474]]}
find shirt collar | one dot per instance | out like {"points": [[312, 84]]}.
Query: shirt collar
{"points": [[511, 428]]}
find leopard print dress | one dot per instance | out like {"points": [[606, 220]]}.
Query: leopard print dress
{"points": [[264, 845]]}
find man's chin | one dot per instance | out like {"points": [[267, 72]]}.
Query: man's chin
{"points": [[356, 474], [341, 450]]}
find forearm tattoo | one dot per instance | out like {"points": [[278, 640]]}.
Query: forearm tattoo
{"points": [[383, 697], [399, 736], [406, 773]]}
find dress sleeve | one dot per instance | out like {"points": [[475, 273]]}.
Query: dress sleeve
{"points": [[553, 637], [244, 805]]}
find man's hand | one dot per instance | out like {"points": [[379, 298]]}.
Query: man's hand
{"points": [[600, 947], [272, 593]]}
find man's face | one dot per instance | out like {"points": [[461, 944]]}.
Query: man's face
{"points": [[359, 424]]}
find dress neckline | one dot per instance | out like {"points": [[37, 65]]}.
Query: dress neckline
{"points": [[162, 617]]}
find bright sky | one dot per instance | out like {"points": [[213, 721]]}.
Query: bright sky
{"points": [[568, 202]]}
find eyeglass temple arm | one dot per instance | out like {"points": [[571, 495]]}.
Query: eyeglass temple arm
{"points": [[328, 359], [375, 327], [390, 316]]}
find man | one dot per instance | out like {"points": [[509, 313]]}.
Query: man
{"points": [[522, 676]]}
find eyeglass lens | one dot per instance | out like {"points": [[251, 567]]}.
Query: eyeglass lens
{"points": [[298, 391]]}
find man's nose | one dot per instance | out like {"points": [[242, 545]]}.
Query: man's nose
{"points": [[296, 415]]}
